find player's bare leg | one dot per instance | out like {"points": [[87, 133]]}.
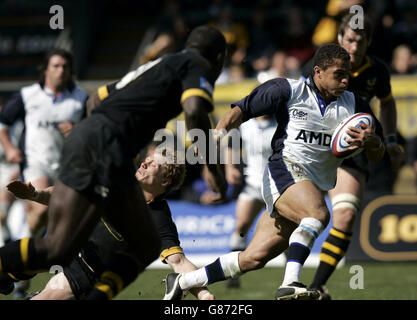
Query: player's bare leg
{"points": [[346, 200], [36, 216], [351, 182], [270, 240], [71, 219], [304, 204], [246, 212]]}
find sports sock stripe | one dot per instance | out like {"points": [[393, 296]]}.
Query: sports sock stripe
{"points": [[298, 252], [24, 250], [106, 289], [328, 259], [333, 248], [113, 278], [314, 233], [215, 272], [340, 234]]}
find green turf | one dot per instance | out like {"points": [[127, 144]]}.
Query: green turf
{"points": [[390, 281]]}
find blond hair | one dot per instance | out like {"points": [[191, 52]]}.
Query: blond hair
{"points": [[173, 170]]}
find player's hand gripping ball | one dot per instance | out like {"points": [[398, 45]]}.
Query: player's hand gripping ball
{"points": [[338, 144]]}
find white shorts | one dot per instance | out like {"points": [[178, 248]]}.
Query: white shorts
{"points": [[35, 172], [278, 176], [7, 170], [250, 192]]}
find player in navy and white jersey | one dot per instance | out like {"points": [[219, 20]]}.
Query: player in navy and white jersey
{"points": [[48, 109], [369, 77], [301, 169], [255, 136], [96, 177]]}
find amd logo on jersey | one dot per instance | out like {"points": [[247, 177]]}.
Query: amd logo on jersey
{"points": [[314, 137]]}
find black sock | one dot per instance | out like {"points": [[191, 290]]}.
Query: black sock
{"points": [[19, 257], [333, 250]]}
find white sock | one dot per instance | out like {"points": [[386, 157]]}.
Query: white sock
{"points": [[300, 243], [196, 278], [225, 267]]}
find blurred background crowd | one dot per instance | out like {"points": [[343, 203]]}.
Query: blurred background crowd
{"points": [[266, 36]]}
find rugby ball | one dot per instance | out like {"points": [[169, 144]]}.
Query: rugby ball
{"points": [[338, 143]]}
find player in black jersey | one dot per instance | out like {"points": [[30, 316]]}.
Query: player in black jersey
{"points": [[156, 179], [369, 77], [96, 178]]}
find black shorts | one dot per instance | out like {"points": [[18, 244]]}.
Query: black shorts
{"points": [[95, 158], [84, 270], [381, 168], [359, 162]]}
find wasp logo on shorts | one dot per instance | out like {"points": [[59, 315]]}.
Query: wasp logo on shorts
{"points": [[102, 191], [314, 137], [298, 114], [371, 82]]}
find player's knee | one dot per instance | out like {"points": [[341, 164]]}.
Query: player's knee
{"points": [[347, 202], [323, 216], [345, 207]]}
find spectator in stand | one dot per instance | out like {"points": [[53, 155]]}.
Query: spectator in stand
{"points": [[327, 28], [402, 61], [262, 45], [236, 34]]}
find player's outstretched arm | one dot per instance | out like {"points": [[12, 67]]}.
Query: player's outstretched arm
{"points": [[196, 116], [27, 191], [231, 120], [388, 116]]}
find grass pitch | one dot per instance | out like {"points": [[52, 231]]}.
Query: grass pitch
{"points": [[381, 281]]}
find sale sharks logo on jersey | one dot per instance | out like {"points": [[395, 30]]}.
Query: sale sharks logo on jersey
{"points": [[298, 114]]}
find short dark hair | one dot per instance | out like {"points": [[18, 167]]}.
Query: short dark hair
{"points": [[56, 52], [327, 53], [368, 28], [208, 40]]}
